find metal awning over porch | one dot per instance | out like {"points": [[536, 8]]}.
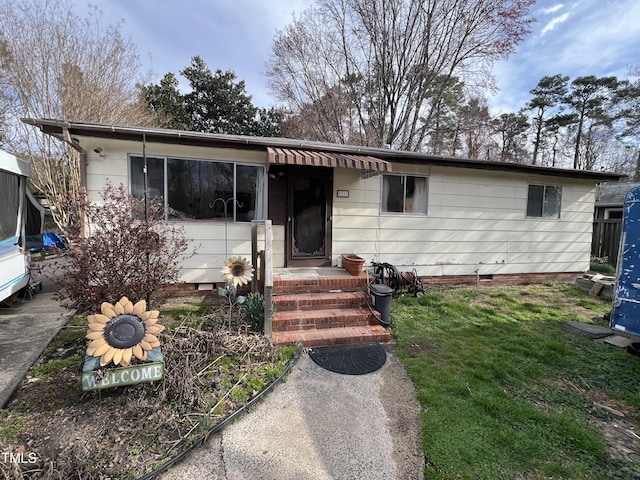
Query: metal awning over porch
{"points": [[368, 166]]}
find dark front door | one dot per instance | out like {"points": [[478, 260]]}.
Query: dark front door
{"points": [[309, 216]]}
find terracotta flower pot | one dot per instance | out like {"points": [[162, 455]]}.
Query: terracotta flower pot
{"points": [[352, 263]]}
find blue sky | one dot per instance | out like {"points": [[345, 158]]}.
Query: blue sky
{"points": [[574, 37]]}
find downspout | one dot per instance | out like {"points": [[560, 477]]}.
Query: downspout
{"points": [[146, 213]]}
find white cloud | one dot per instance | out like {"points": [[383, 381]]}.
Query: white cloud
{"points": [[554, 22], [552, 9], [597, 38]]}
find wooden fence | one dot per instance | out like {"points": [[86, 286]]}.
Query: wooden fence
{"points": [[606, 239]]}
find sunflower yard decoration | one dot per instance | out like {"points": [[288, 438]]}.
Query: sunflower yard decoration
{"points": [[237, 271], [121, 334]]}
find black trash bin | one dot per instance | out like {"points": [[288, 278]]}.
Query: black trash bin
{"points": [[381, 296]]}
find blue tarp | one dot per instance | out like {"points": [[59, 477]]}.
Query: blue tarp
{"points": [[46, 241]]}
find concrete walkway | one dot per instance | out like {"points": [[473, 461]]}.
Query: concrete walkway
{"points": [[26, 328], [320, 425]]}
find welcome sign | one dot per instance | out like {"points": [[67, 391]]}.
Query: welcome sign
{"points": [[147, 372], [119, 334]]}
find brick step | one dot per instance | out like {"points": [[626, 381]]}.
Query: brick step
{"points": [[319, 301], [321, 319], [346, 283], [333, 336]]}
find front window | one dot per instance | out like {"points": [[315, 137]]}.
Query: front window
{"points": [[248, 192], [155, 178], [544, 201], [196, 189], [194, 186], [404, 194]]}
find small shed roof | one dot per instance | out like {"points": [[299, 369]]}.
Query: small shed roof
{"points": [[68, 129], [612, 194]]}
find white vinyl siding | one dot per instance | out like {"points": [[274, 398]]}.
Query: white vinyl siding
{"points": [[209, 239], [213, 247], [477, 222], [476, 219]]}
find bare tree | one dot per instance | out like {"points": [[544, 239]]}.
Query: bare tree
{"points": [[628, 100], [393, 60], [444, 137], [54, 64]]}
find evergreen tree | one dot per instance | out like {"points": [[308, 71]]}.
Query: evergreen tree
{"points": [[590, 99], [547, 95], [513, 132], [216, 103]]}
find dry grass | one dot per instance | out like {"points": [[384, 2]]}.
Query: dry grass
{"points": [[213, 366]]}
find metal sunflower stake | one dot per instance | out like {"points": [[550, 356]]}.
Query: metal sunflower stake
{"points": [[122, 332], [236, 271]]}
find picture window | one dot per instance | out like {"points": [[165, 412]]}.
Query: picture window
{"points": [[201, 190]]}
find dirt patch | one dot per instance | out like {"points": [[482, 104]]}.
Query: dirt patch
{"points": [[417, 349], [535, 295], [622, 441], [53, 429], [617, 420]]}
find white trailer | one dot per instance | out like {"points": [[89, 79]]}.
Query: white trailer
{"points": [[14, 257]]}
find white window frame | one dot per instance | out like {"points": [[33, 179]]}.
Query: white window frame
{"points": [[608, 211], [404, 194], [544, 195]]}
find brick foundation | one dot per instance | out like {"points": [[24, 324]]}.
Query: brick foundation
{"points": [[191, 289], [332, 310], [507, 279]]}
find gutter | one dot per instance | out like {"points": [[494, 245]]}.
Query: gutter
{"points": [[56, 128]]}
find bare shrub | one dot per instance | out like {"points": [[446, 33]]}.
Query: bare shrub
{"points": [[121, 254]]}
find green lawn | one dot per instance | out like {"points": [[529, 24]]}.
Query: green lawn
{"points": [[507, 390]]}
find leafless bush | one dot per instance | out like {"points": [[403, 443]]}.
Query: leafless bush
{"points": [[121, 255]]}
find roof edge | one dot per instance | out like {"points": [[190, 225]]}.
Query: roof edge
{"points": [[58, 128]]}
